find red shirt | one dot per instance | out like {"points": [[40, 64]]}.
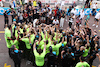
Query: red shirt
{"points": [[55, 12], [26, 15]]}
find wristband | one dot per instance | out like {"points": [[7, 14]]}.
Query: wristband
{"points": [[71, 35], [30, 44], [62, 45]]}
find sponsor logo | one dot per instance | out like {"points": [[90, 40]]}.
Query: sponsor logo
{"points": [[1, 10]]}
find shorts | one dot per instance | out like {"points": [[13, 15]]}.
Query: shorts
{"points": [[43, 18], [85, 23], [77, 24], [96, 19]]}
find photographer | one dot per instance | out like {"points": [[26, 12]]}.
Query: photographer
{"points": [[16, 56], [6, 20]]}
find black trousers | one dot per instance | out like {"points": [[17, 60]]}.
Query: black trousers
{"points": [[46, 22], [70, 24], [39, 66], [17, 64], [50, 63], [93, 12], [21, 21], [90, 62], [6, 21], [9, 51], [30, 19], [29, 55], [25, 20], [67, 65], [12, 18]]}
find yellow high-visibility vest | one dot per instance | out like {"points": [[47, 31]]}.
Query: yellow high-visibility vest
{"points": [[34, 3]]}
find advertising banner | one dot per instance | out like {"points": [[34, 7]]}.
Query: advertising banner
{"points": [[2, 9], [87, 11]]}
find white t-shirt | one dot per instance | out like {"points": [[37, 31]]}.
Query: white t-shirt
{"points": [[71, 20], [94, 6], [62, 3], [21, 16], [55, 22], [81, 15], [35, 21], [12, 5], [97, 15], [74, 12]]}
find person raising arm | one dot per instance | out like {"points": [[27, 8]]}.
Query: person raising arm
{"points": [[39, 56]]}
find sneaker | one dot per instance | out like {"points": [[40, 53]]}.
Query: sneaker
{"points": [[28, 62], [93, 25], [96, 26]]}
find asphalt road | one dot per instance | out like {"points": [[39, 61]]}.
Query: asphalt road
{"points": [[4, 57]]}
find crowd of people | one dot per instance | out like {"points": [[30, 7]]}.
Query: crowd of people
{"points": [[37, 34]]}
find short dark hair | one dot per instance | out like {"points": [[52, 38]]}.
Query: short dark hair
{"points": [[70, 50], [40, 51], [47, 42], [15, 15], [98, 37], [21, 35], [9, 26], [32, 31], [82, 58], [64, 34], [50, 49], [12, 48], [55, 42], [13, 37], [60, 30]]}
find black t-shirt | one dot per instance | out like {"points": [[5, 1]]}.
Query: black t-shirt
{"points": [[39, 4], [58, 12], [84, 42], [63, 14], [22, 45], [70, 8], [68, 58], [36, 16], [78, 53], [28, 11], [5, 15], [92, 43], [51, 57], [88, 31], [13, 13], [93, 54], [43, 14], [16, 57], [30, 16]]}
